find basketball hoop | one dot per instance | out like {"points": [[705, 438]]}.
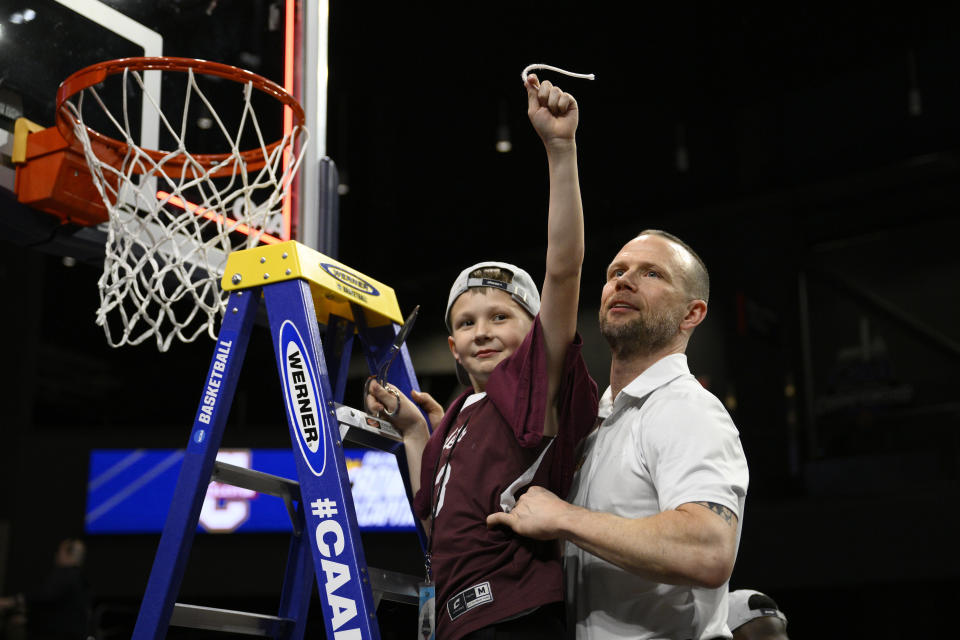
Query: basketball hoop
{"points": [[175, 214]]}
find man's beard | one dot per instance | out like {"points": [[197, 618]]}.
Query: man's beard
{"points": [[648, 333]]}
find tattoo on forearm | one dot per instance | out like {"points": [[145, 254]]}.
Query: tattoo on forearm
{"points": [[720, 510]]}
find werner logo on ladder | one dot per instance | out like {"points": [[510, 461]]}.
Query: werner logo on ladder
{"points": [[299, 382]]}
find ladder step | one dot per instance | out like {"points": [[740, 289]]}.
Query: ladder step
{"points": [[208, 618], [255, 480], [362, 428], [261, 482], [393, 586]]}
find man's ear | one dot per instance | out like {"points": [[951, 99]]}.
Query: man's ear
{"points": [[453, 348], [696, 313]]}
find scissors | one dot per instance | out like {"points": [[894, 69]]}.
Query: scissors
{"points": [[384, 367]]}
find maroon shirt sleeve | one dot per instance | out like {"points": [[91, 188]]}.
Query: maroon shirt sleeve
{"points": [[518, 388]]}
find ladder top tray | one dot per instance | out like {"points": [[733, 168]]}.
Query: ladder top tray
{"points": [[334, 286]]}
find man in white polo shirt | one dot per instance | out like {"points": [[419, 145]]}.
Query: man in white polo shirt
{"points": [[654, 525]]}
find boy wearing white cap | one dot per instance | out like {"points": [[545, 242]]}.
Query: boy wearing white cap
{"points": [[531, 400]]}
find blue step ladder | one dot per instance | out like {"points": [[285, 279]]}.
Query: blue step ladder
{"points": [[301, 289]]}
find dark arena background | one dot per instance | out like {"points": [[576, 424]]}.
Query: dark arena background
{"points": [[810, 154]]}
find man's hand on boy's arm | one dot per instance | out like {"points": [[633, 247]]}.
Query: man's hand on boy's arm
{"points": [[694, 544]]}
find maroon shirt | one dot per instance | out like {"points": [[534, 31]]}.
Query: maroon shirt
{"points": [[484, 576]]}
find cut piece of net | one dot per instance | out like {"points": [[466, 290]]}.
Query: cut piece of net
{"points": [[172, 222]]}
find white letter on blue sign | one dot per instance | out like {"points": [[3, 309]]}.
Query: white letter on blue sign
{"points": [[330, 526]]}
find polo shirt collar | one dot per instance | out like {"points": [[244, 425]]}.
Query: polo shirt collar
{"points": [[658, 374]]}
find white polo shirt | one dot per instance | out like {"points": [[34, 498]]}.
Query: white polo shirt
{"points": [[664, 441]]}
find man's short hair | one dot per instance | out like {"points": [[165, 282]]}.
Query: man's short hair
{"points": [[696, 278]]}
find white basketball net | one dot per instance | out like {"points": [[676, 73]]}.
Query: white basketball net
{"points": [[168, 237]]}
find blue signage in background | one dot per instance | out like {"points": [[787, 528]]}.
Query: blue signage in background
{"points": [[129, 491]]}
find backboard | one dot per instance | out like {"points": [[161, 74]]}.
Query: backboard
{"points": [[44, 41]]}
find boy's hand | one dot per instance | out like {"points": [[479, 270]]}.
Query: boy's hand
{"points": [[390, 404], [552, 112]]}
